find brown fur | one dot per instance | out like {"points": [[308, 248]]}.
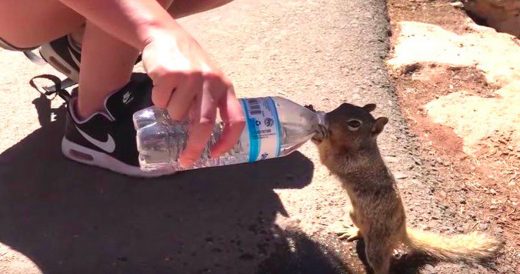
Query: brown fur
{"points": [[348, 147]]}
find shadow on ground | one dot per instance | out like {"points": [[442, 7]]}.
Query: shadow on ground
{"points": [[71, 218]]}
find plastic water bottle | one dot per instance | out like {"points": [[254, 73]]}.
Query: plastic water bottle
{"points": [[275, 127]]}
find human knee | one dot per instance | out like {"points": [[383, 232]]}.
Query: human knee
{"points": [[26, 24]]}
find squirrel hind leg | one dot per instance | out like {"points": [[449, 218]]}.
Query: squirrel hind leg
{"points": [[378, 255]]}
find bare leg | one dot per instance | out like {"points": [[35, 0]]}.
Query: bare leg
{"points": [[106, 65], [106, 62], [99, 77], [29, 23], [181, 8]]}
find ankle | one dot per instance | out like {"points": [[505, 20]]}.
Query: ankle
{"points": [[90, 101], [85, 108]]}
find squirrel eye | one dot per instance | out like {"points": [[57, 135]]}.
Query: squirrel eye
{"points": [[353, 124]]}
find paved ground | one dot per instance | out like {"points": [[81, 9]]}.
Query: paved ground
{"points": [[57, 216]]}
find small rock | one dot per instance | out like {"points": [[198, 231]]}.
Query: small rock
{"points": [[391, 159], [411, 68], [428, 268], [457, 4], [483, 226], [399, 175]]}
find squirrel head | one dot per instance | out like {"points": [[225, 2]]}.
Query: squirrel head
{"points": [[350, 129]]}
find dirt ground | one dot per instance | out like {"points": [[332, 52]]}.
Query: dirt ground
{"points": [[464, 114], [275, 216], [58, 216]]}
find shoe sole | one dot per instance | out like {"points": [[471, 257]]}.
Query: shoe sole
{"points": [[50, 56], [91, 157]]}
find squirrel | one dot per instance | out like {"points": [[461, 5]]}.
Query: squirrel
{"points": [[347, 146]]}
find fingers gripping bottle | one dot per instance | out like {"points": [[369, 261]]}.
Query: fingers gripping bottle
{"points": [[275, 127]]}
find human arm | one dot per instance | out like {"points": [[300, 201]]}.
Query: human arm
{"points": [[186, 80]]}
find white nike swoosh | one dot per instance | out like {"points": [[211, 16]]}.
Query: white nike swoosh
{"points": [[109, 145]]}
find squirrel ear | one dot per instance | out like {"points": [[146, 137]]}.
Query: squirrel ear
{"points": [[379, 125], [369, 107]]}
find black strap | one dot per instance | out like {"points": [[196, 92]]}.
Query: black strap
{"points": [[34, 58], [51, 91]]}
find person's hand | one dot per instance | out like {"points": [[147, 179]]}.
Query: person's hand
{"points": [[189, 85]]}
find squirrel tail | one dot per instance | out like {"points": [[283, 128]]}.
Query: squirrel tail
{"points": [[472, 247]]}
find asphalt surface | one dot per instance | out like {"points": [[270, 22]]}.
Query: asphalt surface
{"points": [[57, 216]]}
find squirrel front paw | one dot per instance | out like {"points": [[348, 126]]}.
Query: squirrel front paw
{"points": [[350, 234], [321, 133], [346, 231]]}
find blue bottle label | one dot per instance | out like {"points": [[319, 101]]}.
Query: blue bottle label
{"points": [[263, 125]]}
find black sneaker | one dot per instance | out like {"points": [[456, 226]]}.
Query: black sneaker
{"points": [[108, 139], [64, 55]]}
